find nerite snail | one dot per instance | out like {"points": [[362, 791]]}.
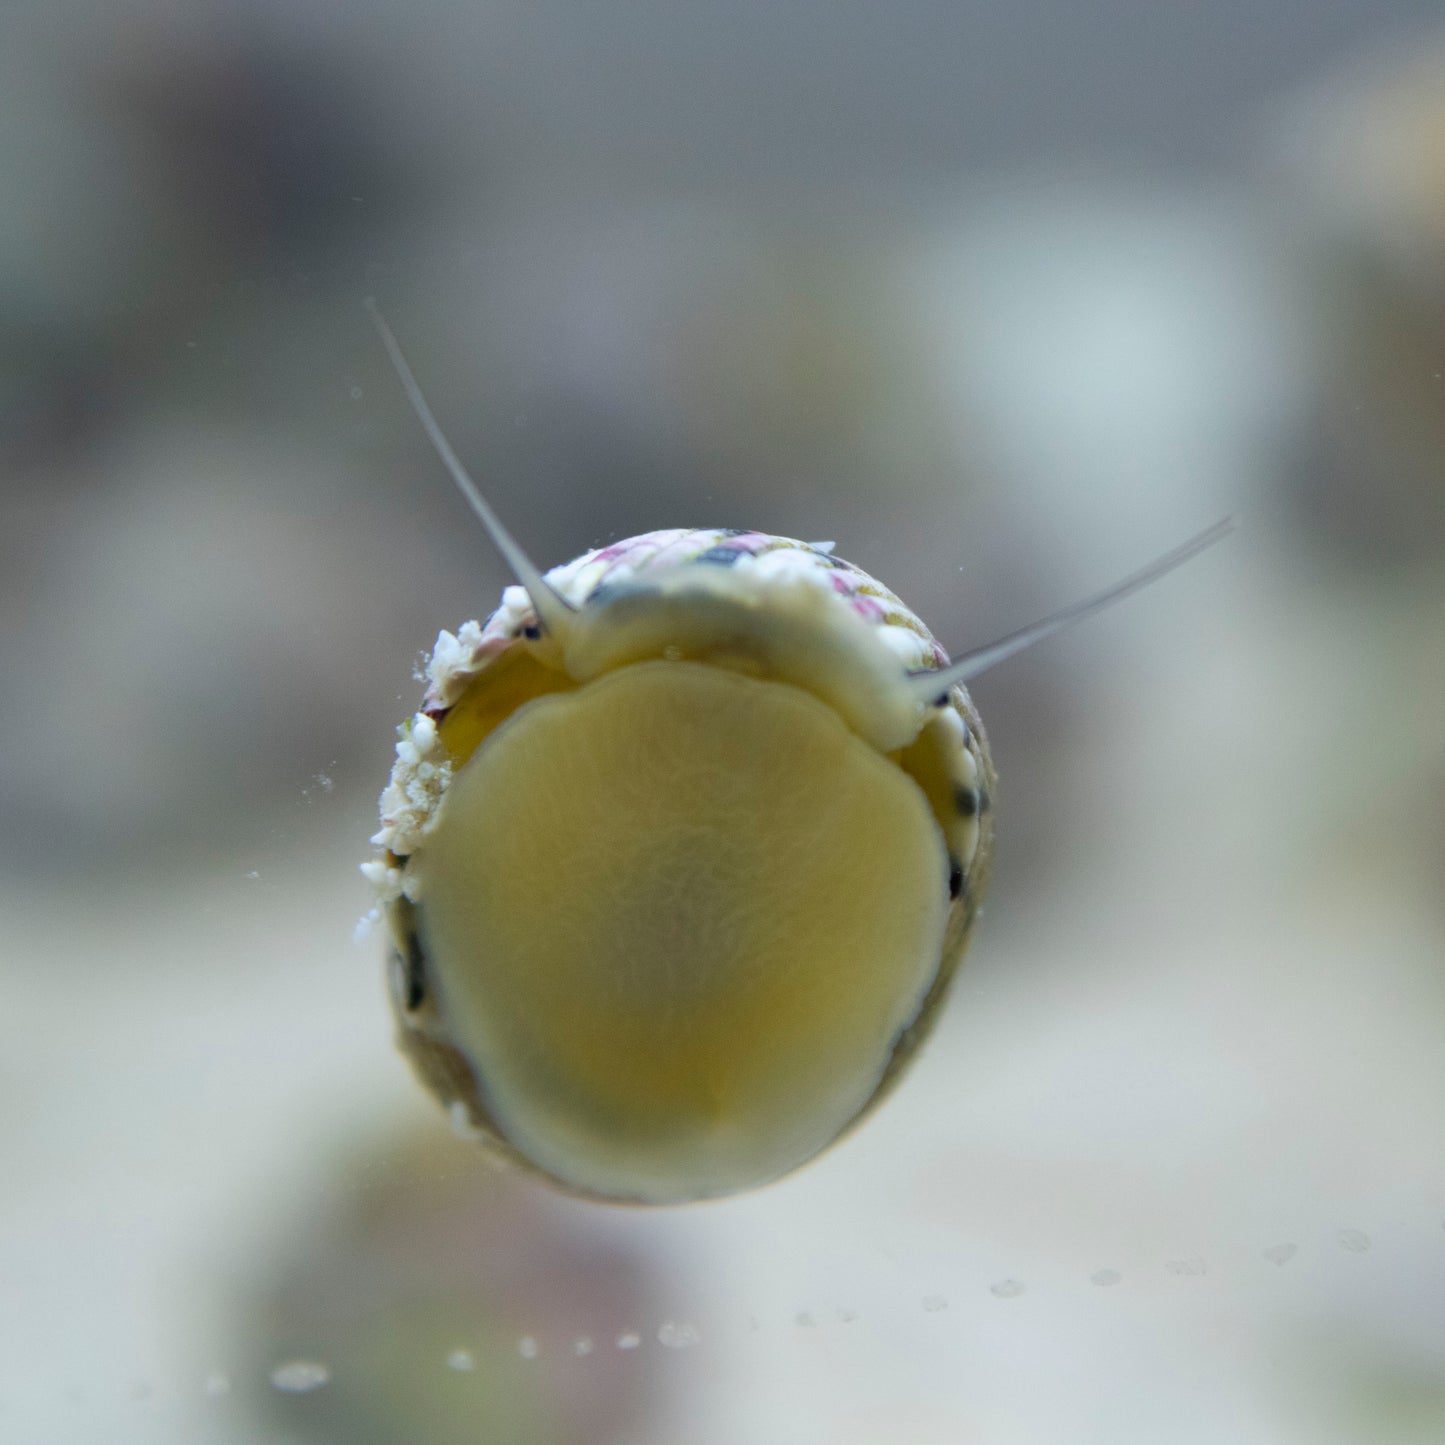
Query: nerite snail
{"points": [[682, 852]]}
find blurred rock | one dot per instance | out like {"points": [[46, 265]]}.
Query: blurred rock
{"points": [[1363, 157]]}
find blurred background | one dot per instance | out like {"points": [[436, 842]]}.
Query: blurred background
{"points": [[1006, 299]]}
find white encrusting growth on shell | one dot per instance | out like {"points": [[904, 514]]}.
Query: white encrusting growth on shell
{"points": [[409, 803], [551, 608], [453, 660]]}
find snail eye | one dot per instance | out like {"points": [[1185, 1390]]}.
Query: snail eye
{"points": [[414, 993]]}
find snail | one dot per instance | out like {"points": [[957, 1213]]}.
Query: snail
{"points": [[682, 851]]}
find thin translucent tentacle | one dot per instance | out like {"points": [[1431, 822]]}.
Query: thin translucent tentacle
{"points": [[931, 684], [552, 608]]}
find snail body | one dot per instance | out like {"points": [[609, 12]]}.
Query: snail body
{"points": [[681, 854]]}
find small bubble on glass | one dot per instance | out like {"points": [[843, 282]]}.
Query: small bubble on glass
{"points": [[1190, 1268], [300, 1377], [678, 1334]]}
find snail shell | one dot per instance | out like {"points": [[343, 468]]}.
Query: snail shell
{"points": [[674, 897]]}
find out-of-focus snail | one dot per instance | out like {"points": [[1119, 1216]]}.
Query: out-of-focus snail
{"points": [[681, 853]]}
